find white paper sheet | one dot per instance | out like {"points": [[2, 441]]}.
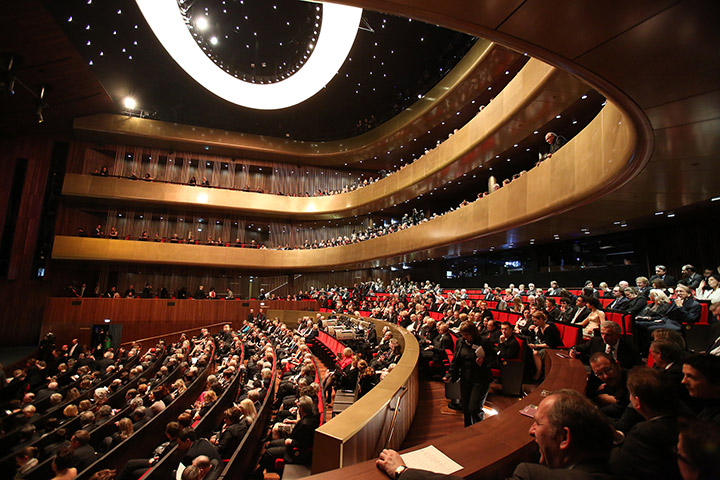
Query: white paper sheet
{"points": [[432, 459]]}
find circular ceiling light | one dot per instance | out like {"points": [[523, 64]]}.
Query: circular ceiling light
{"points": [[336, 37]]}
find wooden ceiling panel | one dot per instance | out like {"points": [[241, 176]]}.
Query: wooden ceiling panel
{"points": [[668, 57], [687, 110], [545, 22]]}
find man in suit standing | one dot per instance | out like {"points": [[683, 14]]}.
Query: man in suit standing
{"points": [[573, 437], [75, 349]]}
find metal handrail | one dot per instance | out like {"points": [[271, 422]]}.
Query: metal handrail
{"points": [[395, 412]]}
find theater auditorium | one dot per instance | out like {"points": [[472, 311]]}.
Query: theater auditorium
{"points": [[359, 239]]}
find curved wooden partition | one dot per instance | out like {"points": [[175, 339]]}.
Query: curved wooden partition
{"points": [[471, 76], [536, 94], [492, 448], [152, 318], [361, 431], [597, 161]]}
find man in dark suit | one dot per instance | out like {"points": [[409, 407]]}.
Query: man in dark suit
{"points": [[690, 277], [298, 447], [139, 418], [85, 453], [687, 309], [661, 273], [75, 349], [579, 453], [611, 342], [582, 311], [619, 301], [647, 450], [508, 345], [190, 447], [701, 377]]}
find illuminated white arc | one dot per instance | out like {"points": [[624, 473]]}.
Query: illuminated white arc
{"points": [[337, 34]]}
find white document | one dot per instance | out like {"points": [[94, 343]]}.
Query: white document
{"points": [[432, 459]]}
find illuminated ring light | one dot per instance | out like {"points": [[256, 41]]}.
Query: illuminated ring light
{"points": [[337, 34]]}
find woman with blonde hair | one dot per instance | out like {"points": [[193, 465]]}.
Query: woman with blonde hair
{"points": [[247, 408], [179, 387], [517, 304]]}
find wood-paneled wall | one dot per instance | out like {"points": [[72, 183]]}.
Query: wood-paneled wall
{"points": [[70, 318]]}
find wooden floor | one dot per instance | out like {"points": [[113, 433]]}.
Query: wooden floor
{"points": [[433, 418]]}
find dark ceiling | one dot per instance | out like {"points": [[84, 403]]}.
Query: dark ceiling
{"points": [[372, 86]]}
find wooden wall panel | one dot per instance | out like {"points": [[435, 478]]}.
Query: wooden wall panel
{"points": [[70, 318]]}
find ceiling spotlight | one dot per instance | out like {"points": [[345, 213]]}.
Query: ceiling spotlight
{"points": [[213, 40], [129, 103], [201, 23]]}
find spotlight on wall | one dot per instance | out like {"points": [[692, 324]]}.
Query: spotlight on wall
{"points": [[41, 105], [7, 77]]}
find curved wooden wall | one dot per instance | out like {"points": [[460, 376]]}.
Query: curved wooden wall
{"points": [[492, 448], [141, 318], [360, 432], [536, 94], [593, 164]]}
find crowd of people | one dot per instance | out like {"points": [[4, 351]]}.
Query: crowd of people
{"points": [[204, 182], [460, 341], [554, 141]]}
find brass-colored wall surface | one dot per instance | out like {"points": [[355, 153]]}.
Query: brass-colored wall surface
{"points": [[536, 94], [359, 433], [589, 166]]}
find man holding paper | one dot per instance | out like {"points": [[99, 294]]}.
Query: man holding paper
{"points": [[573, 437]]}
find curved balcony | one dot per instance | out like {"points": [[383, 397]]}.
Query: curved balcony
{"points": [[598, 160], [471, 77], [533, 97]]}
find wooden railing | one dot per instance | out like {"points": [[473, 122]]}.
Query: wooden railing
{"points": [[362, 429], [492, 448]]}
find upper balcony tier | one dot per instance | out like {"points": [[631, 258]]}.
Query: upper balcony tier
{"points": [[536, 95], [603, 156]]}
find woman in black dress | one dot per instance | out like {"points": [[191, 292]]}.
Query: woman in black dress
{"points": [[547, 336], [471, 365]]}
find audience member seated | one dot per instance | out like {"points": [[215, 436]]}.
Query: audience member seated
{"points": [[701, 377], [647, 449], [697, 450], [297, 448], [579, 452], [610, 393], [611, 342], [546, 336]]}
